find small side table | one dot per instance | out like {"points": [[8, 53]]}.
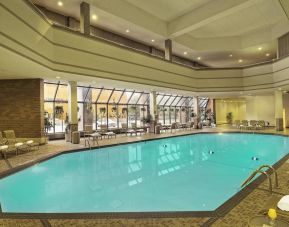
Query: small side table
{"points": [[262, 221]]}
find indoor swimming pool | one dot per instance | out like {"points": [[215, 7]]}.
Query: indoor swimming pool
{"points": [[184, 173]]}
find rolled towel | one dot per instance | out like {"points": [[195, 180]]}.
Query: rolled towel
{"points": [[283, 204]]}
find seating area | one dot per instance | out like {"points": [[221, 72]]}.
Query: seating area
{"points": [[10, 144], [250, 125]]}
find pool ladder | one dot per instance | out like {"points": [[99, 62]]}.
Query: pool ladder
{"points": [[266, 173]]}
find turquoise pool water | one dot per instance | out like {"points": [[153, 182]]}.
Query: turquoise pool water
{"points": [[187, 173]]}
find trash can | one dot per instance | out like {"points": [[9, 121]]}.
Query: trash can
{"points": [[158, 129], [75, 137]]}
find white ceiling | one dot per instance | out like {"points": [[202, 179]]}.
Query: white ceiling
{"points": [[168, 10], [210, 29]]}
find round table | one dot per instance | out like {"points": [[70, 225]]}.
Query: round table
{"points": [[261, 221]]}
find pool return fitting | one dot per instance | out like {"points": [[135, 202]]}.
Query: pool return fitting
{"points": [[266, 173]]}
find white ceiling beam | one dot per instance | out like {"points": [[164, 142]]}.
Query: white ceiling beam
{"points": [[210, 44], [206, 14], [132, 14]]}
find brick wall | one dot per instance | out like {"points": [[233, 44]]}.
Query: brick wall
{"points": [[22, 108]]}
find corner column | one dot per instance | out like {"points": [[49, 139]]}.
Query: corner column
{"points": [[279, 110], [153, 111], [168, 50], [85, 18], [72, 104]]}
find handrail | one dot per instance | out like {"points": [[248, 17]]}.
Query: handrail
{"points": [[274, 171], [259, 170]]}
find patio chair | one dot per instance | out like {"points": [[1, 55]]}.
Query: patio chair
{"points": [[261, 124], [244, 124], [237, 123]]}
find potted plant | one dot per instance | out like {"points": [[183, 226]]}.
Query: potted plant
{"points": [[67, 129], [102, 110], [229, 118], [124, 110]]}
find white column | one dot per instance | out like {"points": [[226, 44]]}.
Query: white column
{"points": [[279, 110], [168, 50], [196, 106], [72, 102], [153, 105], [85, 18]]}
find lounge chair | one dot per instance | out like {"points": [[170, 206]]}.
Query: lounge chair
{"points": [[3, 141], [88, 132], [174, 127], [137, 130], [6, 149], [189, 125], [20, 146], [10, 136], [32, 144], [104, 132], [126, 130]]}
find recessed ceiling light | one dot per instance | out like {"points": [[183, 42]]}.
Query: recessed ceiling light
{"points": [[153, 40], [267, 55], [199, 58], [280, 89], [60, 3], [260, 48], [58, 77], [94, 17], [231, 55], [127, 30], [185, 53], [240, 60]]}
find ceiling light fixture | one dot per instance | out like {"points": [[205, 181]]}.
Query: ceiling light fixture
{"points": [[153, 40], [267, 55], [185, 53], [94, 17], [58, 77], [60, 3], [127, 30], [199, 58], [240, 60], [231, 55], [260, 48]]}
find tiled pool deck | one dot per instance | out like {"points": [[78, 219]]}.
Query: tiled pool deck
{"points": [[251, 205]]}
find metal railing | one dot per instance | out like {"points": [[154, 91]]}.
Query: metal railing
{"points": [[259, 170]]}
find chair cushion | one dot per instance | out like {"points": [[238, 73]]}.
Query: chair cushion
{"points": [[110, 133], [18, 144], [30, 142], [4, 147]]}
